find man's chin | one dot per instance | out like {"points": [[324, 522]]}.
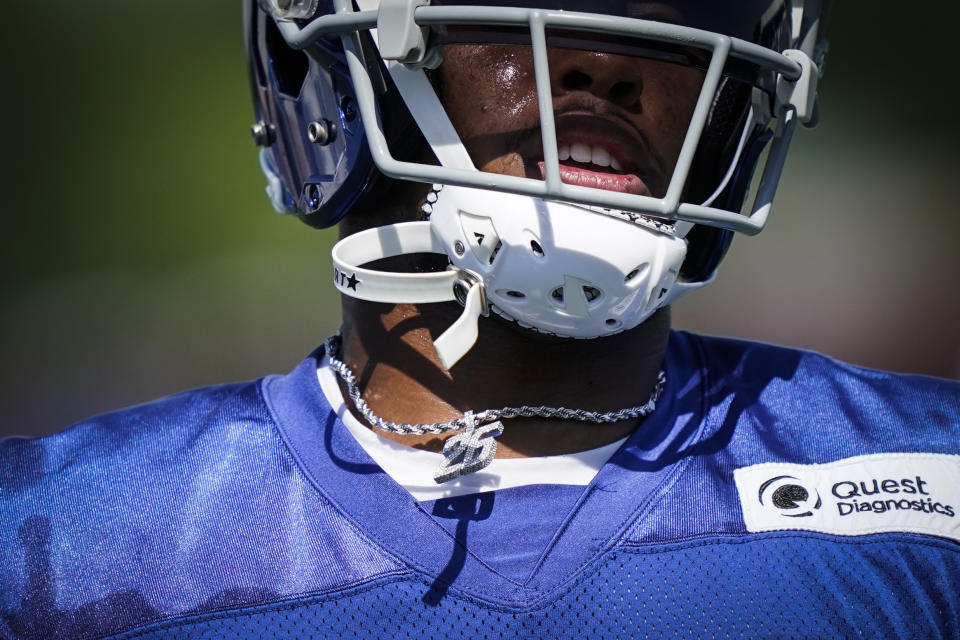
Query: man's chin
{"points": [[529, 333], [660, 317]]}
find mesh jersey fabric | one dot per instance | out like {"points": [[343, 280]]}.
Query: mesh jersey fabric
{"points": [[248, 511], [527, 516]]}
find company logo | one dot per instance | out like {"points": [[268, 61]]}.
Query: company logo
{"points": [[879, 495], [790, 496], [861, 495]]}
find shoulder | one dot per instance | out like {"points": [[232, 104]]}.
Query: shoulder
{"points": [[188, 505], [123, 457], [739, 364], [133, 441], [88, 514], [792, 394]]}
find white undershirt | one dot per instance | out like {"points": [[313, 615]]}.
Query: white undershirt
{"points": [[413, 468]]}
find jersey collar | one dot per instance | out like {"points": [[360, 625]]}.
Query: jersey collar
{"points": [[386, 514]]}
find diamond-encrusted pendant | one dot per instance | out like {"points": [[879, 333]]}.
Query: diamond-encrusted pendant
{"points": [[474, 448], [469, 451]]}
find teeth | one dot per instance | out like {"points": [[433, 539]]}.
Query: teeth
{"points": [[580, 152], [600, 157], [588, 154]]}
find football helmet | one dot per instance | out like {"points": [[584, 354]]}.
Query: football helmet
{"points": [[347, 90]]}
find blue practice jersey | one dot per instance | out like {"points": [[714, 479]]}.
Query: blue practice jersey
{"points": [[773, 493]]}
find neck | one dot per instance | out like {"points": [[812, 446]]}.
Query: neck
{"points": [[390, 350]]}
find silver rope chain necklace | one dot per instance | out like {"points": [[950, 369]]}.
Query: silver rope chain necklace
{"points": [[476, 447]]}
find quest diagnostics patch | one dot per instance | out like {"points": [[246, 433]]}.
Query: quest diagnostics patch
{"points": [[911, 492]]}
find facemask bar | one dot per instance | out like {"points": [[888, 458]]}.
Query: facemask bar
{"points": [[795, 71]]}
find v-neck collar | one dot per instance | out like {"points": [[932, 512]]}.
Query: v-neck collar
{"points": [[387, 515]]}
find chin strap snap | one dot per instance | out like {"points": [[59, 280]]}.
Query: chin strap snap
{"points": [[462, 334], [384, 286]]}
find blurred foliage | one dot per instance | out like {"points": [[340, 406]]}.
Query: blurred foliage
{"points": [[140, 256], [131, 149]]}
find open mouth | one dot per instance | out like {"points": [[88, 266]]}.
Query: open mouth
{"points": [[595, 166], [602, 153]]}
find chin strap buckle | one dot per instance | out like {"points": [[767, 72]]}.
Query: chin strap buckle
{"points": [[462, 286], [436, 286], [454, 343]]}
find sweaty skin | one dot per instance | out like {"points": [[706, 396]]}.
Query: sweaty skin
{"points": [[637, 110]]}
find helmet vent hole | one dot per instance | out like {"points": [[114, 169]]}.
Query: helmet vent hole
{"points": [[612, 323], [637, 272], [496, 250], [290, 65], [312, 197], [348, 109], [589, 293], [536, 248], [512, 295]]}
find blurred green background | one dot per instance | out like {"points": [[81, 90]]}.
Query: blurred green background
{"points": [[140, 256]]}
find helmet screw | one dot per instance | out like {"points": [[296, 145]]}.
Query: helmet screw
{"points": [[459, 248], [262, 134], [320, 132], [347, 108]]}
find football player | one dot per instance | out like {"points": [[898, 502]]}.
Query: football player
{"points": [[506, 439]]}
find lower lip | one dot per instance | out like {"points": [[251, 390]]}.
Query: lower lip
{"points": [[623, 183]]}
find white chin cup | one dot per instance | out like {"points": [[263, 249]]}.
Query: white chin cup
{"points": [[552, 267], [558, 268]]}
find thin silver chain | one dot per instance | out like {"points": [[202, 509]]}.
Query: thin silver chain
{"points": [[489, 415]]}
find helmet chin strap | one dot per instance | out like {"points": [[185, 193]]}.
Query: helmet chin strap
{"points": [[415, 237], [454, 343], [548, 266], [384, 286]]}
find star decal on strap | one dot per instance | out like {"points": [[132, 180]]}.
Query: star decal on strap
{"points": [[341, 279]]}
